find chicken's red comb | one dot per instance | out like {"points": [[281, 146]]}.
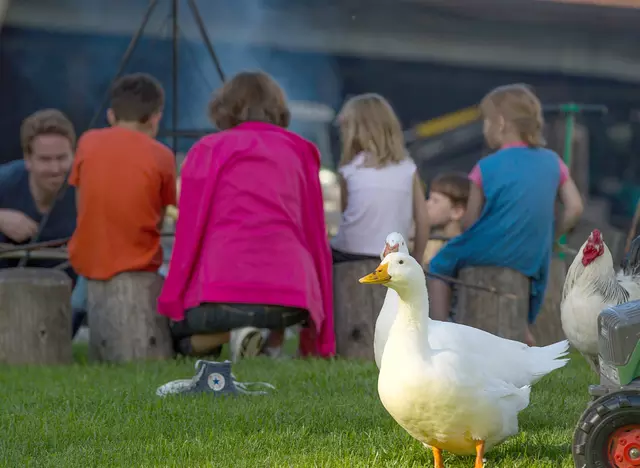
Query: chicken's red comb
{"points": [[596, 236]]}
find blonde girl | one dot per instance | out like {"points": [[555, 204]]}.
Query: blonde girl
{"points": [[380, 187], [509, 219]]}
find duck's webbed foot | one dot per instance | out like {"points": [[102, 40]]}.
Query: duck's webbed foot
{"points": [[437, 458], [479, 454]]}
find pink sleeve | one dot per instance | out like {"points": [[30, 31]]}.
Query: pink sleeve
{"points": [[198, 180], [564, 172], [475, 176], [318, 244]]}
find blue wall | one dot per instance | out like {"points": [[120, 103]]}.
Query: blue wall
{"points": [[72, 71]]}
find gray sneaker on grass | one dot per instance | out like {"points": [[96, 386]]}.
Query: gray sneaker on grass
{"points": [[211, 377]]}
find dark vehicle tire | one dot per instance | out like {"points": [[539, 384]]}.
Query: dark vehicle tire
{"points": [[608, 433]]}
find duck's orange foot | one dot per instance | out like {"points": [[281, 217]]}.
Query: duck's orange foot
{"points": [[479, 454], [437, 458]]}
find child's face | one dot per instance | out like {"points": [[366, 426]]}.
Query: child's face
{"points": [[441, 210]]}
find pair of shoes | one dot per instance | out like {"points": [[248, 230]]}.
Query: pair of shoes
{"points": [[211, 377], [245, 342]]}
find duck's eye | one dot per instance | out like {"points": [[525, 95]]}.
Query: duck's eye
{"points": [[401, 262]]}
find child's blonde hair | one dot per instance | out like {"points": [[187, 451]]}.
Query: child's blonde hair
{"points": [[518, 105], [368, 123]]}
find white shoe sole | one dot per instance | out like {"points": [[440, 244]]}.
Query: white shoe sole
{"points": [[250, 346]]}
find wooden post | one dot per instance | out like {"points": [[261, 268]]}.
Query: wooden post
{"points": [[123, 322], [497, 314], [35, 316], [548, 327], [356, 309]]}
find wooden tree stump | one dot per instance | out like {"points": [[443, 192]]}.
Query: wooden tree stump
{"points": [[548, 327], [35, 316], [123, 322], [497, 314], [356, 308]]}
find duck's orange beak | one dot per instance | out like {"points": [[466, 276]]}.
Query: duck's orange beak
{"points": [[380, 276]]}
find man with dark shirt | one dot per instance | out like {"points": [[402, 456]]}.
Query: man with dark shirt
{"points": [[28, 187]]}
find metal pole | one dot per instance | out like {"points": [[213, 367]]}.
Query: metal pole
{"points": [[125, 60], [566, 156], [123, 63], [205, 37], [174, 74]]}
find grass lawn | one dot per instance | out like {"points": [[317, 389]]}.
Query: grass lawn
{"points": [[323, 414]]}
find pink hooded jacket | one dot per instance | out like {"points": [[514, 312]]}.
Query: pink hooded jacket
{"points": [[251, 229]]}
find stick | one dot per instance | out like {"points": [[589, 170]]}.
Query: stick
{"points": [[42, 254], [33, 246], [455, 281], [62, 266]]}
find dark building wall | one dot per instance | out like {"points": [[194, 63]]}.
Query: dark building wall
{"points": [[72, 72]]}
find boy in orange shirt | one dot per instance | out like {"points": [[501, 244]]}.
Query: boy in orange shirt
{"points": [[124, 181]]}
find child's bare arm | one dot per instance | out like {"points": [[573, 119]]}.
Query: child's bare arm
{"points": [[474, 206], [572, 207], [421, 219]]}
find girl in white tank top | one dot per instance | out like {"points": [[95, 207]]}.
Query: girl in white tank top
{"points": [[380, 188]]}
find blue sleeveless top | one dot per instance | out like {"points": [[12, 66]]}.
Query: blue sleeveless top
{"points": [[516, 227]]}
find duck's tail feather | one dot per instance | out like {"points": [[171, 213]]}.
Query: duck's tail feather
{"points": [[547, 358]]}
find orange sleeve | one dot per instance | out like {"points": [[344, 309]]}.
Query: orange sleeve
{"points": [[74, 175], [168, 168]]}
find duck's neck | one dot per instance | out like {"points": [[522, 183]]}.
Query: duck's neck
{"points": [[412, 322]]}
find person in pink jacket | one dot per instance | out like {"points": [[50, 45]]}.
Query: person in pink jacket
{"points": [[250, 246]]}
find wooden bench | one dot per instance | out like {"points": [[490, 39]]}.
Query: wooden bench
{"points": [[123, 320], [35, 316], [356, 309], [505, 316]]}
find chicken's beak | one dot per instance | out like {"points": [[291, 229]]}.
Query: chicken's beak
{"points": [[380, 276], [389, 249]]}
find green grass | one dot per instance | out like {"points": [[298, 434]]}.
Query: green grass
{"points": [[323, 414]]}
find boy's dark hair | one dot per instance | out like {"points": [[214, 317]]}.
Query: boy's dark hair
{"points": [[249, 97], [136, 97], [45, 122], [454, 185]]}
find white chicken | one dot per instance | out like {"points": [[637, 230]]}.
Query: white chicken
{"points": [[393, 243], [592, 285]]}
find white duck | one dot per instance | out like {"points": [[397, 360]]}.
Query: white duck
{"points": [[393, 243], [450, 386]]}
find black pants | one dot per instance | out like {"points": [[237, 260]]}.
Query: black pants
{"points": [[340, 257], [220, 318]]}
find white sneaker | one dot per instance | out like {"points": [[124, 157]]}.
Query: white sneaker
{"points": [[245, 342]]}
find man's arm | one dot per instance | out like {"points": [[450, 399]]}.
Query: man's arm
{"points": [[13, 223]]}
